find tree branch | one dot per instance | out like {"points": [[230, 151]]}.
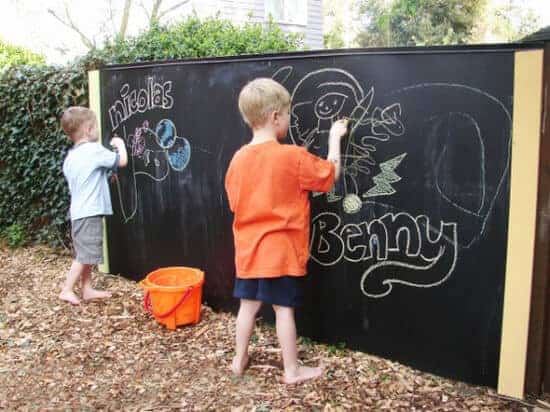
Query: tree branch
{"points": [[155, 12], [124, 20], [145, 10], [112, 16], [165, 12], [70, 24]]}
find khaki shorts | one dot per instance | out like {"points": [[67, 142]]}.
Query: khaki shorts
{"points": [[87, 234]]}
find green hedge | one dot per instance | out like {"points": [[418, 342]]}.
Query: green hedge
{"points": [[33, 194], [194, 38]]}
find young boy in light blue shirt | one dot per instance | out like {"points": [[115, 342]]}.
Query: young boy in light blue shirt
{"points": [[85, 168]]}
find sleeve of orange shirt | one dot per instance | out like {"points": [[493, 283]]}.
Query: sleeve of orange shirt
{"points": [[230, 186], [315, 174]]}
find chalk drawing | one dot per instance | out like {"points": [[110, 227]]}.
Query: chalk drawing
{"points": [[154, 154], [337, 93], [158, 151], [322, 96], [492, 172], [132, 101], [429, 254], [352, 203], [398, 249], [383, 181]]}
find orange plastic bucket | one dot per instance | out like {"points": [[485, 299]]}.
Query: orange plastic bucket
{"points": [[173, 295]]}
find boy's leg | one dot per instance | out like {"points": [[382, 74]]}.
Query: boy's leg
{"points": [[246, 320], [286, 333], [67, 292], [88, 292]]}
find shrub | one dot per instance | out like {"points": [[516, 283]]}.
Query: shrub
{"points": [[14, 56], [15, 235], [195, 38]]}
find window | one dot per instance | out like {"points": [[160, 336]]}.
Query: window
{"points": [[287, 11]]}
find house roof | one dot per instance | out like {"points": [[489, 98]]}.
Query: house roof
{"points": [[541, 35]]}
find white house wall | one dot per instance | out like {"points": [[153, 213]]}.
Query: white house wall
{"points": [[314, 34], [241, 11]]}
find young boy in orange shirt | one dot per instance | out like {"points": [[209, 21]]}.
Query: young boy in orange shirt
{"points": [[268, 187]]}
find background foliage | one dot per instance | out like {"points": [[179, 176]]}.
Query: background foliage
{"points": [[13, 55], [33, 194], [418, 22], [194, 38]]}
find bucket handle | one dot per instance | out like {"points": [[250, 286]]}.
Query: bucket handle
{"points": [[149, 307]]}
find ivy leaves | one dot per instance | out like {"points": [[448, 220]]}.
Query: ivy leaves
{"points": [[33, 194]]}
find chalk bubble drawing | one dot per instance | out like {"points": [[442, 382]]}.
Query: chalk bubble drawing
{"points": [[158, 151], [154, 154]]}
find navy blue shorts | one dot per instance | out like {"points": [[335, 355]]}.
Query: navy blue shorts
{"points": [[282, 291]]}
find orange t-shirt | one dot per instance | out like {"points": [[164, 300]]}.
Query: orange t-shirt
{"points": [[268, 187]]}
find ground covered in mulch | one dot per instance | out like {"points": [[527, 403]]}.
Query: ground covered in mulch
{"points": [[113, 356]]}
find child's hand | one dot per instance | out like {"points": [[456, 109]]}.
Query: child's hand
{"points": [[117, 142], [339, 129]]}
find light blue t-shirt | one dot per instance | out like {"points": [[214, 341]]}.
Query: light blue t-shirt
{"points": [[85, 168]]}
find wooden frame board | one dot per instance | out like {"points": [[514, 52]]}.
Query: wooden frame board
{"points": [[522, 221], [95, 106]]}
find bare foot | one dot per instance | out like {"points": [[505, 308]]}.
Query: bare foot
{"points": [[304, 373], [238, 366], [69, 296], [91, 294]]}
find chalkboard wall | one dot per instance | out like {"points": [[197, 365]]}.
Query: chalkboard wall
{"points": [[408, 252]]}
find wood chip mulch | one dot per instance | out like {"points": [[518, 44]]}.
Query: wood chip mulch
{"points": [[113, 356]]}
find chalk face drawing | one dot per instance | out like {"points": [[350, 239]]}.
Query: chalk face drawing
{"points": [[154, 151], [398, 247], [336, 94]]}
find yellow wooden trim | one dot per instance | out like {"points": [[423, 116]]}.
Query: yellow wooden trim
{"points": [[528, 68], [95, 105]]}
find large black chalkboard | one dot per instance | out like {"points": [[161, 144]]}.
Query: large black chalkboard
{"points": [[408, 251]]}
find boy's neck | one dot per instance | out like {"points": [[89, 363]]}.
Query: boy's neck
{"points": [[263, 135], [81, 140]]}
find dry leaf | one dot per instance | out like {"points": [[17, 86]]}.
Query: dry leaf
{"points": [[113, 356]]}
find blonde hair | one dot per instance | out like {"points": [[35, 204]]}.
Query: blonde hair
{"points": [[74, 117], [259, 98]]}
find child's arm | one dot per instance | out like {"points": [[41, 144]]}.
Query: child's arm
{"points": [[120, 148], [337, 131]]}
